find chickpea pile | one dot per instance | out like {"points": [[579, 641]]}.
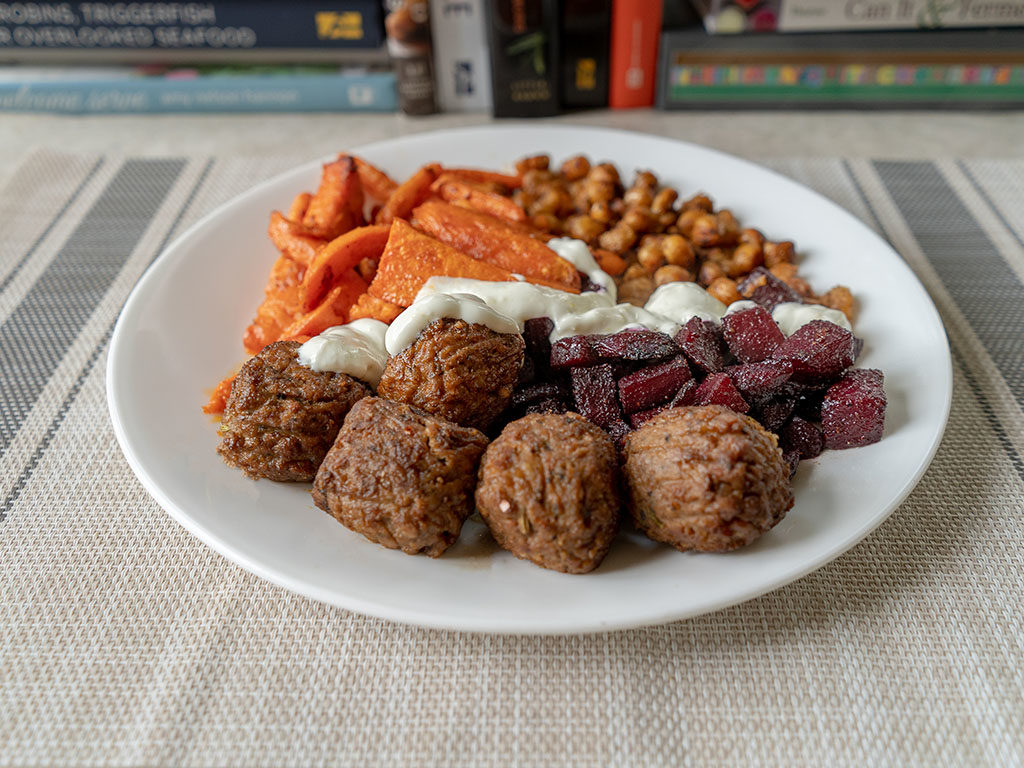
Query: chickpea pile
{"points": [[662, 239]]}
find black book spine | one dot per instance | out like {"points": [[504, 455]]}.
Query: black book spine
{"points": [[585, 40], [523, 37]]}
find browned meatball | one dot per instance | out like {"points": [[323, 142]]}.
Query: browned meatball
{"points": [[400, 477], [282, 417], [460, 371], [549, 491], [705, 478]]}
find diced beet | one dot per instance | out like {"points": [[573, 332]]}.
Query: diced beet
{"points": [[635, 344], [703, 344], [764, 288], [751, 334], [587, 285], [760, 379], [596, 394], [687, 395], [853, 411], [819, 351], [793, 459], [618, 431], [653, 385], [802, 436], [640, 418], [536, 331], [527, 373], [547, 405], [718, 389], [573, 351], [774, 412], [539, 391]]}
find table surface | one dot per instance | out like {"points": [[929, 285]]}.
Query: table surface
{"points": [[124, 641]]}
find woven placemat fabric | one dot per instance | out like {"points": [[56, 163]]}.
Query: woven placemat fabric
{"points": [[125, 641]]}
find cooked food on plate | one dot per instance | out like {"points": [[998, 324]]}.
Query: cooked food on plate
{"points": [[624, 350]]}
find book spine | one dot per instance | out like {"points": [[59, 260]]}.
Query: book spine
{"points": [[636, 27], [586, 32], [523, 38], [407, 25], [462, 67], [372, 92], [100, 26]]}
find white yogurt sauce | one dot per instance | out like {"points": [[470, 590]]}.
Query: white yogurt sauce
{"points": [[740, 306], [578, 254], [611, 320], [681, 301], [791, 316], [356, 349], [457, 305]]}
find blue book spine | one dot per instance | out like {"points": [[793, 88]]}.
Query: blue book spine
{"points": [[366, 92]]}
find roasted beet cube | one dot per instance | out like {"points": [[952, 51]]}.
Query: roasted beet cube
{"points": [[636, 345], [718, 389], [751, 334], [853, 411], [536, 331], [793, 459], [640, 418], [547, 405], [527, 373], [596, 394], [653, 385], [540, 391], [760, 379], [764, 288], [703, 344], [802, 436], [774, 412], [687, 394], [573, 351], [819, 351]]}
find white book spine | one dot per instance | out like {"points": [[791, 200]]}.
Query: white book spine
{"points": [[462, 68], [810, 15]]}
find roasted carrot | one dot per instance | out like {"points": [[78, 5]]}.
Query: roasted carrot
{"points": [[610, 262], [332, 310], [408, 194], [339, 256], [337, 205], [300, 204], [376, 183], [477, 176], [450, 188], [219, 397], [410, 258], [292, 240], [372, 307], [493, 240]]}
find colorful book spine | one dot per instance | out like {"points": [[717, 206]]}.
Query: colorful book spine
{"points": [[523, 38], [586, 32], [407, 25], [462, 67], [100, 26], [636, 26], [118, 92]]}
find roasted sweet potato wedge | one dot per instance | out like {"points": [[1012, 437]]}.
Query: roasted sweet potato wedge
{"points": [[450, 187], [408, 194], [338, 257], [337, 205]]}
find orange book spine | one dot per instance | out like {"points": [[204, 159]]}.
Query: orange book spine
{"points": [[636, 26]]}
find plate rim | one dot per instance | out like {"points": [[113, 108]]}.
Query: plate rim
{"points": [[489, 625]]}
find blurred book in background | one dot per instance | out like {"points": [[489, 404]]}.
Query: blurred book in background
{"points": [[407, 26], [462, 67], [585, 37], [523, 36], [636, 25]]}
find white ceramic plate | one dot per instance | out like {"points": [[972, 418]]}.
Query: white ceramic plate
{"points": [[180, 332]]}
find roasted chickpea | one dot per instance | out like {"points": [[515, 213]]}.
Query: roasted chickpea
{"points": [[646, 180], [554, 200], [583, 228], [714, 229], [664, 200], [575, 167], [667, 221], [534, 162], [724, 289], [650, 255], [678, 251], [636, 291], [784, 271], [604, 173], [638, 196], [699, 202], [602, 213], [599, 191], [709, 272], [618, 239], [777, 253], [670, 273], [639, 218], [633, 271], [547, 222], [686, 220], [751, 235], [537, 181], [745, 259], [840, 298]]}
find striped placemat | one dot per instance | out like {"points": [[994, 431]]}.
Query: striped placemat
{"points": [[124, 641]]}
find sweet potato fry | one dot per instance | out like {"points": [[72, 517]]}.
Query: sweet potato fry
{"points": [[450, 188], [219, 397], [332, 310], [337, 205], [492, 240], [337, 257], [372, 307], [292, 240], [610, 262], [477, 176], [376, 184], [299, 206], [279, 307], [408, 194], [410, 258]]}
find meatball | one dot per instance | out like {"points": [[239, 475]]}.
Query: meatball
{"points": [[460, 371], [400, 476], [705, 478], [549, 491], [282, 417]]}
